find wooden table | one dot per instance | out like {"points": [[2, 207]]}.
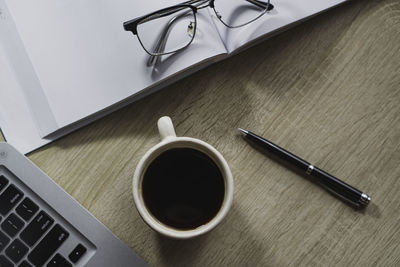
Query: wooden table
{"points": [[328, 90]]}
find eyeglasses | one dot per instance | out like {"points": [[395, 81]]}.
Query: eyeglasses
{"points": [[172, 29]]}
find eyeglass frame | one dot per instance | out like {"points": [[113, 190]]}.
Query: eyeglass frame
{"points": [[132, 25]]}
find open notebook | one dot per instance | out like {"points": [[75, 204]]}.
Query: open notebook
{"points": [[65, 63]]}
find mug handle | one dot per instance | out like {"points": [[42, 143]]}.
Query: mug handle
{"points": [[166, 128]]}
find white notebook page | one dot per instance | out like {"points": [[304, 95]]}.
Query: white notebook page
{"points": [[85, 61]]}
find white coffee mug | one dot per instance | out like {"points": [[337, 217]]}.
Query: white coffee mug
{"points": [[169, 140]]}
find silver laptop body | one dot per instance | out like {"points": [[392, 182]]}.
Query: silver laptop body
{"points": [[42, 225]]}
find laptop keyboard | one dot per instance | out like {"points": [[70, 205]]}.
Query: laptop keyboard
{"points": [[29, 236]]}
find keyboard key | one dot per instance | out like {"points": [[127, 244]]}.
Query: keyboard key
{"points": [[4, 262], [9, 198], [27, 209], [77, 253], [4, 240], [59, 261], [25, 264], [16, 251], [3, 182], [38, 226], [48, 245], [12, 225]]}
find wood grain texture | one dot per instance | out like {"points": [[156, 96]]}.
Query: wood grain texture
{"points": [[328, 90]]}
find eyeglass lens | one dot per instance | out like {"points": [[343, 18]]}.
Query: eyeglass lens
{"points": [[167, 32], [237, 13]]}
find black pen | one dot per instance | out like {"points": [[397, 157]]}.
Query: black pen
{"points": [[328, 181]]}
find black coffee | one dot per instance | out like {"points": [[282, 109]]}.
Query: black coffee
{"points": [[183, 188]]}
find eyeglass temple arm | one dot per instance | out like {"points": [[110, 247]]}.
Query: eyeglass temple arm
{"points": [[162, 40], [261, 4], [161, 15]]}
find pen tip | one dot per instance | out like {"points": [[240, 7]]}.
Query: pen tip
{"points": [[243, 131]]}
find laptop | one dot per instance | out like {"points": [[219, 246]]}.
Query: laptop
{"points": [[42, 225]]}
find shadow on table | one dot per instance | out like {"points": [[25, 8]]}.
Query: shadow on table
{"points": [[233, 242], [177, 100]]}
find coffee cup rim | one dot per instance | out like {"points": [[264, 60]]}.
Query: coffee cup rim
{"points": [[184, 142]]}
